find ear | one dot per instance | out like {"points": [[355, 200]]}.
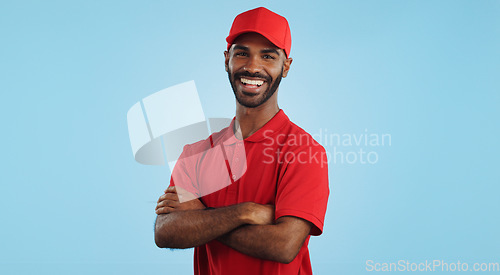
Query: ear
{"points": [[226, 56], [286, 66]]}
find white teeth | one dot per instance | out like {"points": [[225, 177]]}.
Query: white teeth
{"points": [[252, 82]]}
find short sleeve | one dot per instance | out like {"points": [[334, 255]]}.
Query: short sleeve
{"points": [[303, 186], [184, 173]]}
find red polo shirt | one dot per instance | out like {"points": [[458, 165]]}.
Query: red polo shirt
{"points": [[280, 164]]}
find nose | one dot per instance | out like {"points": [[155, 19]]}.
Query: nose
{"points": [[253, 64]]}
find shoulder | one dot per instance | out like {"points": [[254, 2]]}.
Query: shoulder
{"points": [[300, 139], [204, 144]]}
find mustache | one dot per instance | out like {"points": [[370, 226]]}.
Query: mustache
{"points": [[238, 75]]}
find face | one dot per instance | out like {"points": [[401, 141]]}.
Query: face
{"points": [[255, 67]]}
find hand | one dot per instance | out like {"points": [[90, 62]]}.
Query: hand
{"points": [[259, 214], [175, 199]]}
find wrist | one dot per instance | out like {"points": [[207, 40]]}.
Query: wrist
{"points": [[245, 213]]}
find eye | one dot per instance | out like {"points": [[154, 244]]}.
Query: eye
{"points": [[241, 54], [268, 56]]}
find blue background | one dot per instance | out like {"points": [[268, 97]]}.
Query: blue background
{"points": [[74, 201]]}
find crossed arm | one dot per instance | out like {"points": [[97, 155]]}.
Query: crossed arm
{"points": [[247, 227]]}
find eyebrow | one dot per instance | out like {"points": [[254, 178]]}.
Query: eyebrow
{"points": [[270, 51], [239, 47], [244, 48]]}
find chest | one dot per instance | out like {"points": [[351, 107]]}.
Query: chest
{"points": [[239, 173]]}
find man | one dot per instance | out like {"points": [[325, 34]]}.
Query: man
{"points": [[249, 197]]}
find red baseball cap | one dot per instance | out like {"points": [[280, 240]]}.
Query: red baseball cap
{"points": [[271, 25]]}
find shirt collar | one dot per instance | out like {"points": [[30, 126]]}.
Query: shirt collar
{"points": [[269, 129]]}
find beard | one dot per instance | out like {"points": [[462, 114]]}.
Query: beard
{"points": [[271, 89]]}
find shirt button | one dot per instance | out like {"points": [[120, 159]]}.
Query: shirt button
{"points": [[234, 177]]}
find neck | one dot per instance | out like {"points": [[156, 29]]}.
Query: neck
{"points": [[250, 120]]}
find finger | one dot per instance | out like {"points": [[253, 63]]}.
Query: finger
{"points": [[168, 196], [171, 196], [171, 189], [164, 204], [169, 203], [162, 197], [164, 210]]}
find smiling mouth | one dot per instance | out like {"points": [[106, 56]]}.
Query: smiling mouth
{"points": [[250, 82]]}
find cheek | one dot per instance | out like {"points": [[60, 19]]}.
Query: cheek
{"points": [[276, 72], [234, 65]]}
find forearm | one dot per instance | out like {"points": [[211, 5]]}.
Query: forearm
{"points": [[190, 228], [278, 242]]}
